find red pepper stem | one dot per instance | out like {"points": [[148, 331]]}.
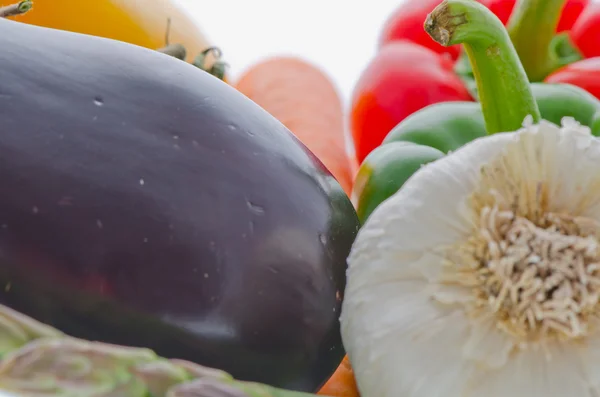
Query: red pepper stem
{"points": [[503, 88], [532, 28]]}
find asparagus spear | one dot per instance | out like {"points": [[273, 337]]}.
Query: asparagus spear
{"points": [[37, 360]]}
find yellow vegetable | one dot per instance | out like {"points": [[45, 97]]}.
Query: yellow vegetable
{"points": [[141, 22]]}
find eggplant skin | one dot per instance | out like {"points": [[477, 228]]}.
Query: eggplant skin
{"points": [[144, 202]]}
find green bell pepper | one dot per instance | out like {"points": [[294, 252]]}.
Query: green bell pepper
{"points": [[506, 98], [385, 170]]}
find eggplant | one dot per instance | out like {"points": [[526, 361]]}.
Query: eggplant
{"points": [[144, 202]]}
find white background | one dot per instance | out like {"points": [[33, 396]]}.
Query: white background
{"points": [[340, 36]]}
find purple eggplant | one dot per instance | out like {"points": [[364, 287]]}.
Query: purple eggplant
{"points": [[145, 202]]}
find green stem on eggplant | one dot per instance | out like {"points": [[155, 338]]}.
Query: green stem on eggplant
{"points": [[16, 9], [532, 28], [502, 84]]}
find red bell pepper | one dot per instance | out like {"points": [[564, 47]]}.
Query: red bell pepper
{"points": [[585, 35], [584, 74], [402, 78], [571, 11], [411, 71], [540, 32], [406, 22]]}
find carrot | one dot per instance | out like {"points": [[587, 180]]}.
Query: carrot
{"points": [[305, 100], [341, 383]]}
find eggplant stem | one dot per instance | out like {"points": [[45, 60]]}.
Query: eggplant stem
{"points": [[16, 9], [503, 87]]}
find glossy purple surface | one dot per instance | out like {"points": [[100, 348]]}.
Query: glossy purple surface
{"points": [[145, 202]]}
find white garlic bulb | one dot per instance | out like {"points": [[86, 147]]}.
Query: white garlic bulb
{"points": [[481, 276]]}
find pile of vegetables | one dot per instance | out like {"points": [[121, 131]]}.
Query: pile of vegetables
{"points": [[147, 203], [475, 270], [166, 233], [444, 100]]}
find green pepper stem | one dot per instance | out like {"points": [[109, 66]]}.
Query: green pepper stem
{"points": [[16, 9], [532, 28], [502, 85]]}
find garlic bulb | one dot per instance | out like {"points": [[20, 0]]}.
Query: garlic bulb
{"points": [[481, 276]]}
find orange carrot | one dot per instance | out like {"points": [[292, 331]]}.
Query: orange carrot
{"points": [[341, 383], [305, 100]]}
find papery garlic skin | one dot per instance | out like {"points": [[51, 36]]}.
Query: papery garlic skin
{"points": [[411, 331]]}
